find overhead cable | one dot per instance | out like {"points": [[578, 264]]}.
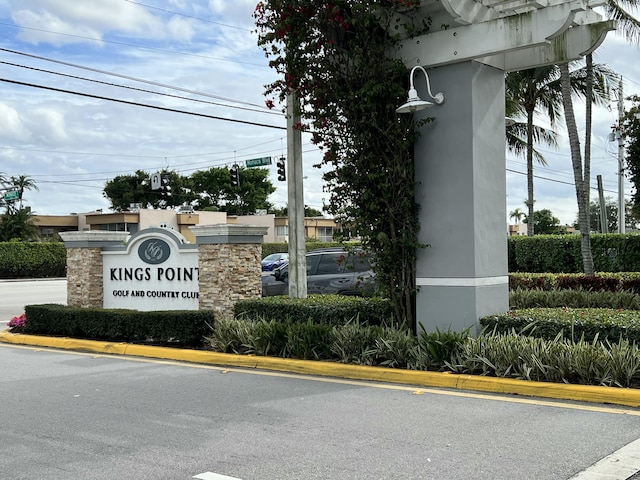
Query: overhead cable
{"points": [[137, 104]]}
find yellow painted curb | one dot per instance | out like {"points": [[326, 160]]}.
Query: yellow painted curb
{"points": [[583, 393]]}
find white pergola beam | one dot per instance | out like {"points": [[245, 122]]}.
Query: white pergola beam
{"points": [[515, 33], [574, 44]]}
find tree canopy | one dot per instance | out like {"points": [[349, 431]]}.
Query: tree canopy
{"points": [[631, 129], [545, 223], [207, 189], [611, 215], [16, 223]]}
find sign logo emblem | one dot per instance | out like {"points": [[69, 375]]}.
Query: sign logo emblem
{"points": [[154, 251]]}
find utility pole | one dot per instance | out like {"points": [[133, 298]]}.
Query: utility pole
{"points": [[295, 196], [621, 219], [604, 224]]}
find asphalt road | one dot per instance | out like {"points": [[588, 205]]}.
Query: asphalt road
{"points": [[15, 294], [68, 415]]}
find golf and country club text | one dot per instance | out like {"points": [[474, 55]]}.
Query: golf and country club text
{"points": [[157, 274]]}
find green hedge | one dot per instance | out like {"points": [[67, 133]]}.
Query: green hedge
{"points": [[572, 323], [183, 327], [32, 259], [269, 248], [540, 253], [320, 309], [601, 282], [523, 298], [561, 253]]}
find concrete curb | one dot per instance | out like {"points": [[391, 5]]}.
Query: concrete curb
{"points": [[583, 393]]}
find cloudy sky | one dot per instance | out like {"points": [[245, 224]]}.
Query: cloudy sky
{"points": [[198, 57]]}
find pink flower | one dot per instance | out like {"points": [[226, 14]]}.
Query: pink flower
{"points": [[18, 323]]}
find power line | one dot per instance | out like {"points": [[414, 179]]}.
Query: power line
{"points": [[137, 89], [127, 77], [559, 181], [210, 163], [188, 16], [100, 40], [166, 109]]}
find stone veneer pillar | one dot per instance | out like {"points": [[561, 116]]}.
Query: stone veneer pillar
{"points": [[229, 261], [84, 265]]}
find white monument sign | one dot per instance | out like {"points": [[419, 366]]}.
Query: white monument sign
{"points": [[156, 270]]}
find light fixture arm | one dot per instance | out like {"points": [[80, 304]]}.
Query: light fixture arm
{"points": [[438, 97], [414, 102]]}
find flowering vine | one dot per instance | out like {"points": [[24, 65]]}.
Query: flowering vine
{"points": [[338, 58]]}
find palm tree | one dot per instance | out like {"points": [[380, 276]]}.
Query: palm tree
{"points": [[18, 225], [527, 91], [630, 27], [580, 179], [23, 183], [517, 214]]}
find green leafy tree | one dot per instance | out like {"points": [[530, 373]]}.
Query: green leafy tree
{"points": [[213, 190], [631, 129], [18, 224], [611, 212], [124, 190], [284, 211], [546, 223], [338, 59], [211, 187]]}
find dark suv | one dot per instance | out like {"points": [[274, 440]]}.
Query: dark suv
{"points": [[331, 270]]}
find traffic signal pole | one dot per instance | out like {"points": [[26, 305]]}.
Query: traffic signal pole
{"points": [[297, 258]]}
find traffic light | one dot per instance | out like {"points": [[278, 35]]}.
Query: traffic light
{"points": [[282, 173], [235, 176], [165, 187]]}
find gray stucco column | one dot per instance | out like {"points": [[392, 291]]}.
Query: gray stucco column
{"points": [[460, 170]]}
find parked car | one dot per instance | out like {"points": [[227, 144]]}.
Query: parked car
{"points": [[332, 270], [273, 261]]}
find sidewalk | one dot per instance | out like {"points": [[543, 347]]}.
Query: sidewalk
{"points": [[560, 391]]}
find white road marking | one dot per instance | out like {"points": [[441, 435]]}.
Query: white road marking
{"points": [[214, 476], [620, 465]]}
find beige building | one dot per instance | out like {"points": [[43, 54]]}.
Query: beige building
{"points": [[318, 228]]}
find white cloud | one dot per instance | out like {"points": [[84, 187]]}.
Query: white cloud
{"points": [[12, 127], [80, 22]]}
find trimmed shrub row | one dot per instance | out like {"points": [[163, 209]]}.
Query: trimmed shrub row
{"points": [[179, 328], [32, 259], [602, 281], [320, 309], [561, 253], [620, 300], [589, 324]]}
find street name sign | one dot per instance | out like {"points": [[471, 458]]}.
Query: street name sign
{"points": [[258, 162], [11, 195]]}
